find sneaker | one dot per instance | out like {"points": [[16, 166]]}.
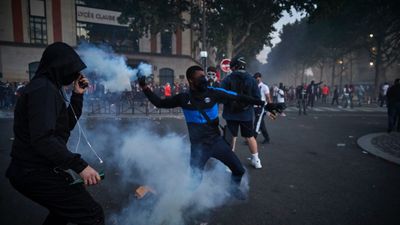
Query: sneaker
{"points": [[266, 141], [237, 193], [256, 163]]}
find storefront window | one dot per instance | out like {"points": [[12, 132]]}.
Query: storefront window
{"points": [[166, 42], [101, 26], [37, 22]]}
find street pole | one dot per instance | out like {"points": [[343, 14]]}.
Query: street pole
{"points": [[203, 46]]}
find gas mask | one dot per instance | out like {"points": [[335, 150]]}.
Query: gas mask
{"points": [[67, 80], [211, 76], [201, 83]]}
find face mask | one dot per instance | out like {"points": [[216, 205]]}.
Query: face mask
{"points": [[201, 83], [67, 80]]}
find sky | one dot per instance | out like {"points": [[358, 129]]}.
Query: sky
{"points": [[286, 18]]}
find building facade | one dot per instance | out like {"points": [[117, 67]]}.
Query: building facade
{"points": [[28, 26]]}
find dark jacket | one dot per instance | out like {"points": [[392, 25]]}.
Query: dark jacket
{"points": [[200, 131], [42, 119], [393, 95], [249, 84], [312, 88]]}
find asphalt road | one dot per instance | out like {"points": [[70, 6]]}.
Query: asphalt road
{"points": [[306, 178]]}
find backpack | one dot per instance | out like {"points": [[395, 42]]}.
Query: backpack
{"points": [[237, 84]]}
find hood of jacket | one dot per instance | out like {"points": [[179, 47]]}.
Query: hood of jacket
{"points": [[60, 64]]}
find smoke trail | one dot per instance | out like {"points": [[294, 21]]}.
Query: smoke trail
{"points": [[110, 68], [144, 157]]}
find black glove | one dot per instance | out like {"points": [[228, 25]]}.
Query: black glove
{"points": [[274, 108], [142, 81]]}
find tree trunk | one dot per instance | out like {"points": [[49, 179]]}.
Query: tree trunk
{"points": [[322, 72], [333, 73], [229, 44], [341, 77], [378, 62], [302, 73], [351, 70]]}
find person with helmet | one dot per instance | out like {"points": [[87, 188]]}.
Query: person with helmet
{"points": [[239, 114]]}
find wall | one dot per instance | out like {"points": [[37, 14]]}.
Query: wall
{"points": [[68, 21], [15, 61], [6, 25]]}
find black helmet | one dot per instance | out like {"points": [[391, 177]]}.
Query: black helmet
{"points": [[238, 62]]}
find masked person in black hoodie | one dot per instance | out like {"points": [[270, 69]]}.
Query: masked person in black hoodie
{"points": [[42, 125]]}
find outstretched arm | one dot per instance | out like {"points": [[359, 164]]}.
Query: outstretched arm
{"points": [[318, 83], [224, 96], [171, 102]]}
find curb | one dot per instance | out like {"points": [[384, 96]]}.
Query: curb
{"points": [[365, 143]]}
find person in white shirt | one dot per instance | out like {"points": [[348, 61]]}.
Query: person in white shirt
{"points": [[266, 97], [384, 90], [281, 98]]}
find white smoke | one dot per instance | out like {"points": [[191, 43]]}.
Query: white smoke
{"points": [[144, 157], [111, 68]]}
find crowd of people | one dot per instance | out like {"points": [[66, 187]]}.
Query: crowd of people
{"points": [[323, 94], [303, 96], [9, 91]]}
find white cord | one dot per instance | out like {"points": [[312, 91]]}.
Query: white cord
{"points": [[81, 131], [84, 135], [79, 140]]}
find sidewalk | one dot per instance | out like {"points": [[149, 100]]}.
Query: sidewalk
{"points": [[384, 145]]}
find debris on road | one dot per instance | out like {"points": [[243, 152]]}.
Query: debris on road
{"points": [[142, 191]]}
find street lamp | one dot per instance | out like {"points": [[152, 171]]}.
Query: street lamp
{"points": [[371, 64], [203, 56], [371, 35]]}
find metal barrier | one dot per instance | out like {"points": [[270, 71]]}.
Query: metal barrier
{"points": [[134, 107]]}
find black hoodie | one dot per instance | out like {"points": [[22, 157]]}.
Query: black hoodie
{"points": [[42, 121]]}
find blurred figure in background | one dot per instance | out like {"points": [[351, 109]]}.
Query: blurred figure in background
{"points": [[393, 103]]}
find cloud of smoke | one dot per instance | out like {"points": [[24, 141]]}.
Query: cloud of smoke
{"points": [[110, 68], [144, 157]]}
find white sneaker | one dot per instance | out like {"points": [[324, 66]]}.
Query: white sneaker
{"points": [[256, 163]]}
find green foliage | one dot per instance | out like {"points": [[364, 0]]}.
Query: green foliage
{"points": [[249, 21]]}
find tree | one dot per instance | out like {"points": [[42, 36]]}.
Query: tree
{"points": [[241, 27], [148, 16], [374, 24]]}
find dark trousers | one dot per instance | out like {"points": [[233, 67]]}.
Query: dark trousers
{"points": [[393, 116], [324, 97], [66, 203], [311, 99], [257, 111], [301, 104], [335, 99], [220, 150]]}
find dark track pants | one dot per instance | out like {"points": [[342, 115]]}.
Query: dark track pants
{"points": [[257, 112], [220, 150], [393, 116], [51, 189]]}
